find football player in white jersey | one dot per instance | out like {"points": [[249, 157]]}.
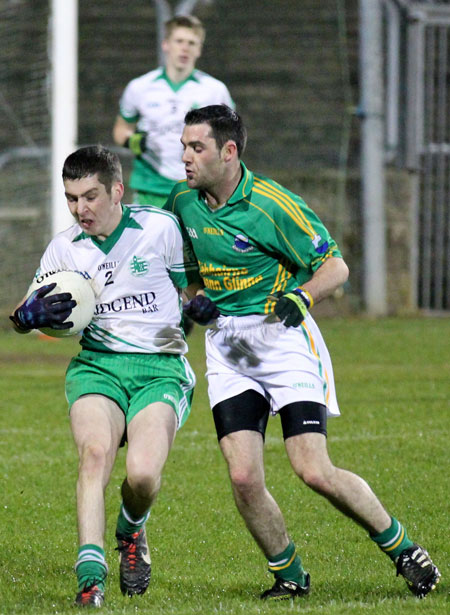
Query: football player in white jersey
{"points": [[130, 380], [153, 106]]}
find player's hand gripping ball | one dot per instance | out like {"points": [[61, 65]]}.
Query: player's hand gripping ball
{"points": [[59, 304], [201, 310]]}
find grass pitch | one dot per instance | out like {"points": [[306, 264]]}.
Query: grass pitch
{"points": [[393, 387]]}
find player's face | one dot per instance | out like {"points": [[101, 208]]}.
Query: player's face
{"points": [[97, 212], [202, 160], [182, 49]]}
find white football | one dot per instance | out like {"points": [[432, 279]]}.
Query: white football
{"points": [[82, 292]]}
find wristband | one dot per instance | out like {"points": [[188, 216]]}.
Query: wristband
{"points": [[305, 295], [136, 143]]}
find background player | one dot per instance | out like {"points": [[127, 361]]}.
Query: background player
{"points": [[265, 259], [131, 377], [153, 106]]}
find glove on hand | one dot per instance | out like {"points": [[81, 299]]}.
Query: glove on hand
{"points": [[292, 307], [201, 309], [40, 311], [136, 143]]}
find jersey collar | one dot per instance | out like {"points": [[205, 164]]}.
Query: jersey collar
{"points": [[107, 244], [177, 86], [244, 187]]}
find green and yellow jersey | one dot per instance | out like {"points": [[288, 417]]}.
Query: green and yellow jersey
{"points": [[264, 239]]}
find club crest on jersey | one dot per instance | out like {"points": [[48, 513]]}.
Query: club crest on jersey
{"points": [[138, 266], [242, 244], [320, 248]]}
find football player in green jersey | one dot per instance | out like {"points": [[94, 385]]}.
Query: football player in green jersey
{"points": [[265, 259]]}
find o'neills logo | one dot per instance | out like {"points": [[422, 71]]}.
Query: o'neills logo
{"points": [[42, 276], [143, 301]]}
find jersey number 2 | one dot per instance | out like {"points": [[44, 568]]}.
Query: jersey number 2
{"points": [[108, 276]]}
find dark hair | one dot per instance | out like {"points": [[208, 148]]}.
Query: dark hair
{"points": [[92, 160], [185, 21], [226, 124]]}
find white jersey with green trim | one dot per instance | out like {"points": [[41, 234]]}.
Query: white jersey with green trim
{"points": [[159, 107], [136, 274]]}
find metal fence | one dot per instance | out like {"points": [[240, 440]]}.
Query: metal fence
{"points": [[426, 146], [433, 29]]}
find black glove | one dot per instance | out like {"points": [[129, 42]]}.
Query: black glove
{"points": [[201, 309], [292, 307], [136, 143], [40, 311]]}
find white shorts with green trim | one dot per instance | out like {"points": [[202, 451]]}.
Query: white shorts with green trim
{"points": [[284, 364]]}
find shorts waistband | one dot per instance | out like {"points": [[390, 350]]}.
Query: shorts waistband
{"points": [[239, 323]]}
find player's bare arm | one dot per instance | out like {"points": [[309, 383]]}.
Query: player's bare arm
{"points": [[293, 306], [125, 134], [328, 278], [192, 290], [122, 130]]}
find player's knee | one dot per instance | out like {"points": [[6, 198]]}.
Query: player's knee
{"points": [[315, 478], [246, 484], [93, 459], [312, 479], [143, 482]]}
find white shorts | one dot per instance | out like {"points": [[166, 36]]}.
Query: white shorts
{"points": [[284, 364]]}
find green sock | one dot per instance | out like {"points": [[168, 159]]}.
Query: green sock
{"points": [[288, 565], [128, 525], [394, 540], [91, 567]]}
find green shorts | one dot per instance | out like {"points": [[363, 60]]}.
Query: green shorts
{"points": [[133, 380]]}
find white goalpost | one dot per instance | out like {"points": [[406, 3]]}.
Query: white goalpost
{"points": [[64, 108], [64, 86]]}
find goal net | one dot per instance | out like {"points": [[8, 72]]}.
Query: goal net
{"points": [[24, 144]]}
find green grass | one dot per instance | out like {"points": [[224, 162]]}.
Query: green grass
{"points": [[393, 387]]}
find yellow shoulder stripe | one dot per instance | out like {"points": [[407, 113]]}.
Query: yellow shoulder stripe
{"points": [[294, 251], [287, 203]]}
